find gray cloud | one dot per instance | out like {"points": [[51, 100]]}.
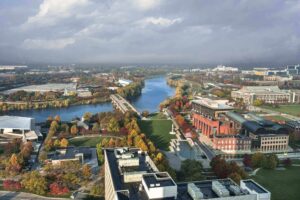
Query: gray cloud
{"points": [[151, 31]]}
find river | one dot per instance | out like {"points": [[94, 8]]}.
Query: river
{"points": [[154, 92]]}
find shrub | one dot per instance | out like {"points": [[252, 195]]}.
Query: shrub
{"points": [[11, 185], [56, 189]]}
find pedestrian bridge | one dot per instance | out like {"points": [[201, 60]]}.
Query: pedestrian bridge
{"points": [[122, 104]]}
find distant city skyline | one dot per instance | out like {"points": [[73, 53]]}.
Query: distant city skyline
{"points": [[246, 32]]}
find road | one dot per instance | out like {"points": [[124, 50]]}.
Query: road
{"points": [[206, 150], [209, 154], [8, 195]]}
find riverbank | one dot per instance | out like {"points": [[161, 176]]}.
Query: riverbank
{"points": [[155, 91], [64, 103]]}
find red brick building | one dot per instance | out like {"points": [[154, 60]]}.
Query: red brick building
{"points": [[217, 130]]}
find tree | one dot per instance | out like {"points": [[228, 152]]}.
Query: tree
{"points": [[258, 159], [97, 190], [159, 157], [57, 189], [96, 127], [145, 113], [34, 182], [235, 177], [64, 142], [56, 143], [258, 102], [11, 185], [270, 162], [190, 171], [65, 128], [104, 142], [287, 162], [113, 125], [247, 160], [111, 142], [151, 147], [70, 180], [43, 156], [14, 164], [57, 118], [74, 130], [50, 119], [53, 126], [100, 154], [26, 149], [87, 116], [86, 171]]}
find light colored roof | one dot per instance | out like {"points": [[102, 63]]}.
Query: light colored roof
{"points": [[263, 89], [44, 88], [15, 122], [211, 103]]}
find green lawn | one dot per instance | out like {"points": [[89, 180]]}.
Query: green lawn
{"points": [[282, 184], [277, 118], [158, 131], [292, 109], [294, 161], [87, 141], [157, 116]]}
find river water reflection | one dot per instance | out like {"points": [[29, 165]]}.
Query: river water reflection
{"points": [[154, 92]]}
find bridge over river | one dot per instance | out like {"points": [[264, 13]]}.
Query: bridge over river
{"points": [[122, 104]]}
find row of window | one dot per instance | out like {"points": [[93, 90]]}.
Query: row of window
{"points": [[274, 138], [233, 142], [275, 142], [229, 147]]}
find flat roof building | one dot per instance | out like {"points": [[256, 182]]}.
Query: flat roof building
{"points": [[268, 94], [131, 174], [254, 188], [18, 127], [50, 87], [84, 155]]}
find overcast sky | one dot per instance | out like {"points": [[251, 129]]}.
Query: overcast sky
{"points": [[150, 31]]}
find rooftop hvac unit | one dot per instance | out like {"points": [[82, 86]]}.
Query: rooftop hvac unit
{"points": [[235, 189], [219, 189], [127, 155], [194, 192]]}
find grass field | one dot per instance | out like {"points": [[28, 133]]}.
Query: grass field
{"points": [[296, 162], [292, 109], [87, 141], [282, 184], [276, 117], [158, 131], [157, 116]]}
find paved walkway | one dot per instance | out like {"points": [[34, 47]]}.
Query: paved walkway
{"points": [[8, 195], [173, 159], [254, 172]]}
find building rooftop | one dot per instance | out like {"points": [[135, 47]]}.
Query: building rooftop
{"points": [[160, 179], [70, 153], [123, 161], [153, 184], [213, 104], [15, 122], [262, 89], [227, 186], [44, 88], [253, 186], [256, 124]]}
